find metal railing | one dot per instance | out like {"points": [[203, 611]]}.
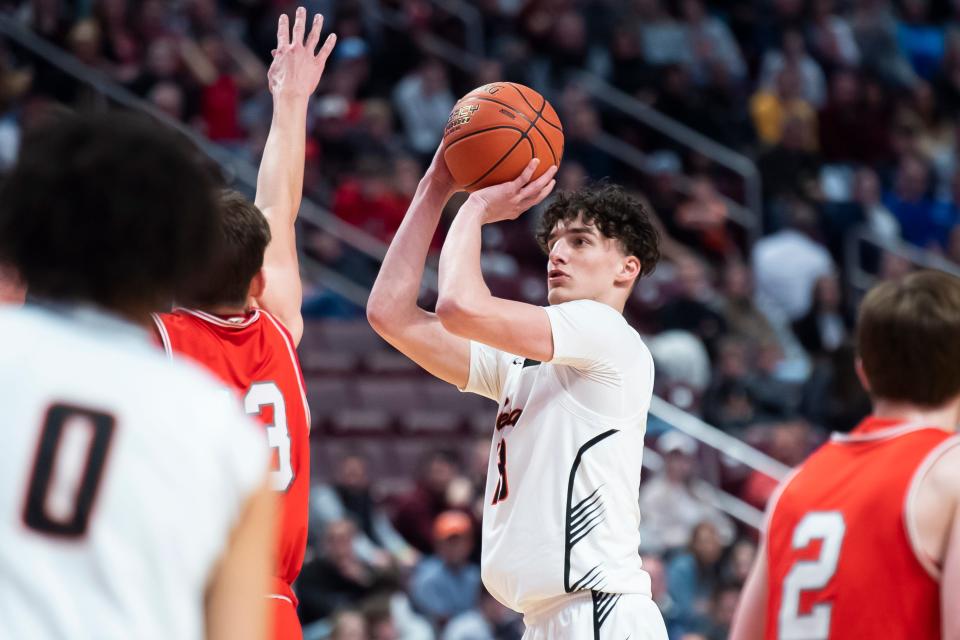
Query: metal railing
{"points": [[472, 23], [861, 279], [738, 163], [233, 166], [726, 502]]}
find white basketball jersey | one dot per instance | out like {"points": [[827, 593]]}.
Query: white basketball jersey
{"points": [[561, 512], [122, 475]]}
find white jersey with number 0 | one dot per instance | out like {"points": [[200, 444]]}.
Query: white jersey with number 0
{"points": [[122, 475], [561, 513]]}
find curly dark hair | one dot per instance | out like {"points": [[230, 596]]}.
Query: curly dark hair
{"points": [[110, 209], [614, 212]]}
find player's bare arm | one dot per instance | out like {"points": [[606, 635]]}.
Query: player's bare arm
{"points": [[392, 309], [751, 616], [235, 606], [293, 77], [466, 307], [936, 517]]}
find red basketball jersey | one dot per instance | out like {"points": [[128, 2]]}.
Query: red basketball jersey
{"points": [[843, 558], [255, 355]]}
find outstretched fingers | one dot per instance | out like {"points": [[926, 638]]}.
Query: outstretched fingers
{"points": [[526, 174], [534, 188], [327, 47], [299, 26], [314, 38], [283, 31]]}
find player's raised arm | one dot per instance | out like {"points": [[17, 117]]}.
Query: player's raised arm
{"points": [[465, 307], [392, 308], [293, 77]]}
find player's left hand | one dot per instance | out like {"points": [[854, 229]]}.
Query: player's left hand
{"points": [[296, 71], [508, 200]]}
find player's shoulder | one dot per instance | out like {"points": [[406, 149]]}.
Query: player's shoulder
{"points": [[943, 464]]}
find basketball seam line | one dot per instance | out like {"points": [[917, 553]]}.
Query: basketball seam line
{"points": [[524, 136], [539, 113]]}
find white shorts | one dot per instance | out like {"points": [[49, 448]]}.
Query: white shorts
{"points": [[598, 616]]}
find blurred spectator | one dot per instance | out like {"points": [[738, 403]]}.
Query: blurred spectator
{"points": [[682, 365], [348, 624], [739, 562], [774, 107], [369, 200], [920, 39], [674, 501], [663, 38], [875, 29], [742, 317], [447, 584], [629, 71], [788, 169], [788, 263], [712, 44], [701, 223], [831, 37], [947, 82], [350, 497], [793, 56], [490, 620], [423, 100], [693, 575], [416, 511], [729, 404], [660, 593], [833, 396], [697, 307], [846, 135], [911, 202], [336, 578], [723, 604], [825, 327], [789, 444]]}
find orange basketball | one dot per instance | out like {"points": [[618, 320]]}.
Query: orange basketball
{"points": [[495, 130]]}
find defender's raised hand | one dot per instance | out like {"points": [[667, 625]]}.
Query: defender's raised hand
{"points": [[296, 68]]}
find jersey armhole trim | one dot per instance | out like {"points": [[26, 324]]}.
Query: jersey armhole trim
{"points": [[164, 336], [913, 535], [775, 500], [296, 364]]}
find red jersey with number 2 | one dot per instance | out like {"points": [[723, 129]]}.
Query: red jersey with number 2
{"points": [[254, 355], [842, 553]]}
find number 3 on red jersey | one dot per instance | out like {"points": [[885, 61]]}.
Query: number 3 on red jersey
{"points": [[263, 394], [811, 575]]}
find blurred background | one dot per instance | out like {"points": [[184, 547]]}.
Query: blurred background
{"points": [[792, 151]]}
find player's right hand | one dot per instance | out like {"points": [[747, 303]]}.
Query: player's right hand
{"points": [[439, 174], [296, 71]]}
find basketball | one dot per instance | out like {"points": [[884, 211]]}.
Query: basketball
{"points": [[495, 130]]}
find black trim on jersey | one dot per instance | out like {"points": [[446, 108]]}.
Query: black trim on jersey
{"points": [[603, 604], [581, 520], [531, 363]]}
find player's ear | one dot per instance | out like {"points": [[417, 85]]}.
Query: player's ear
{"points": [[861, 375], [257, 285], [629, 269]]}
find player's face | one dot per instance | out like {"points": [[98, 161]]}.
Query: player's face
{"points": [[582, 263]]}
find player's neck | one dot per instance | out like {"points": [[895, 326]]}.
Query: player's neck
{"points": [[946, 417]]}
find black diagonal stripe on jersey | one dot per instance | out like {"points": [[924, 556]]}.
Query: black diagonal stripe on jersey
{"points": [[573, 533], [531, 363]]}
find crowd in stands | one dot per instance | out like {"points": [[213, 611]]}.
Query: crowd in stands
{"points": [[849, 108]]}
